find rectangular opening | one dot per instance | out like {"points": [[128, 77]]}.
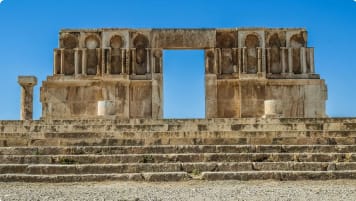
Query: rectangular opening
{"points": [[183, 84]]}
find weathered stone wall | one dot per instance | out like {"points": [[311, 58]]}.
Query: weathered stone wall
{"points": [[244, 67]]}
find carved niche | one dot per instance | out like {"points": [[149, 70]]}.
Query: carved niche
{"points": [[275, 60], [116, 43], [251, 43], [140, 43], [296, 42], [68, 42], [92, 42], [225, 41]]}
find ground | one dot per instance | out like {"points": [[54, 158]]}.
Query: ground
{"points": [[190, 190]]}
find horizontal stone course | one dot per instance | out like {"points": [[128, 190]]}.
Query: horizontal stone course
{"points": [[184, 157], [191, 168], [165, 149]]}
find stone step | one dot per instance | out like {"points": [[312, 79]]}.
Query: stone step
{"points": [[147, 140], [192, 168], [179, 134], [167, 149], [106, 121], [147, 176], [186, 157], [182, 176], [190, 126], [279, 175]]}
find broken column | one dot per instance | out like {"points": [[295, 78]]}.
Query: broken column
{"points": [[27, 83]]}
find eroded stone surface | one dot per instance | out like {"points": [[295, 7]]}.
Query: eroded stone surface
{"points": [[243, 68]]}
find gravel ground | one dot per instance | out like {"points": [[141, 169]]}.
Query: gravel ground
{"points": [[190, 190]]}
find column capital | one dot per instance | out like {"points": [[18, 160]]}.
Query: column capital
{"points": [[27, 80]]}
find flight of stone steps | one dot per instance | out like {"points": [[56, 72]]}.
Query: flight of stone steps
{"points": [[176, 150]]}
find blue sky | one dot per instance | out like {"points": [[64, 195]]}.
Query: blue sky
{"points": [[29, 32]]}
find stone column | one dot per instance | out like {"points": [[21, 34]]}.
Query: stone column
{"points": [[84, 61], [259, 60], [76, 61], [27, 83], [123, 55], [311, 60], [133, 51], [148, 65], [303, 60], [98, 65], [62, 61]]}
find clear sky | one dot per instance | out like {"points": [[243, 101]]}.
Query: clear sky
{"points": [[29, 32]]}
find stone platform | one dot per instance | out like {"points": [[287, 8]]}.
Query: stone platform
{"points": [[176, 150]]}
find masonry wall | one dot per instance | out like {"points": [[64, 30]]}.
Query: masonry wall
{"points": [[244, 67]]}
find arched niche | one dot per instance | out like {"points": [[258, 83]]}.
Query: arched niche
{"points": [[226, 41], [252, 41], [275, 45], [116, 43], [68, 42], [92, 42], [140, 42], [296, 42]]}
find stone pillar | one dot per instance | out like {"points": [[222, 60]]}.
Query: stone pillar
{"points": [[27, 83], [303, 60], [98, 65], [273, 108], [123, 55], [76, 61], [311, 60], [259, 60], [133, 51], [103, 61], [148, 63], [84, 62], [62, 61], [56, 63]]}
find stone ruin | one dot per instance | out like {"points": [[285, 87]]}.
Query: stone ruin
{"points": [[118, 72], [102, 112]]}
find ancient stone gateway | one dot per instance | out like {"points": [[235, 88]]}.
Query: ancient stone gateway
{"points": [[102, 112], [244, 67]]}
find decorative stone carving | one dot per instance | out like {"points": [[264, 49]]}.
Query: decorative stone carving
{"points": [[243, 66]]}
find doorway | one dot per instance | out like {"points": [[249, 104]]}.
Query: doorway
{"points": [[183, 84]]}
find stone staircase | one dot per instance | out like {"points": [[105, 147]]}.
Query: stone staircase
{"points": [[175, 150]]}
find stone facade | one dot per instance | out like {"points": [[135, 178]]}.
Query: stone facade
{"points": [[243, 68]]}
